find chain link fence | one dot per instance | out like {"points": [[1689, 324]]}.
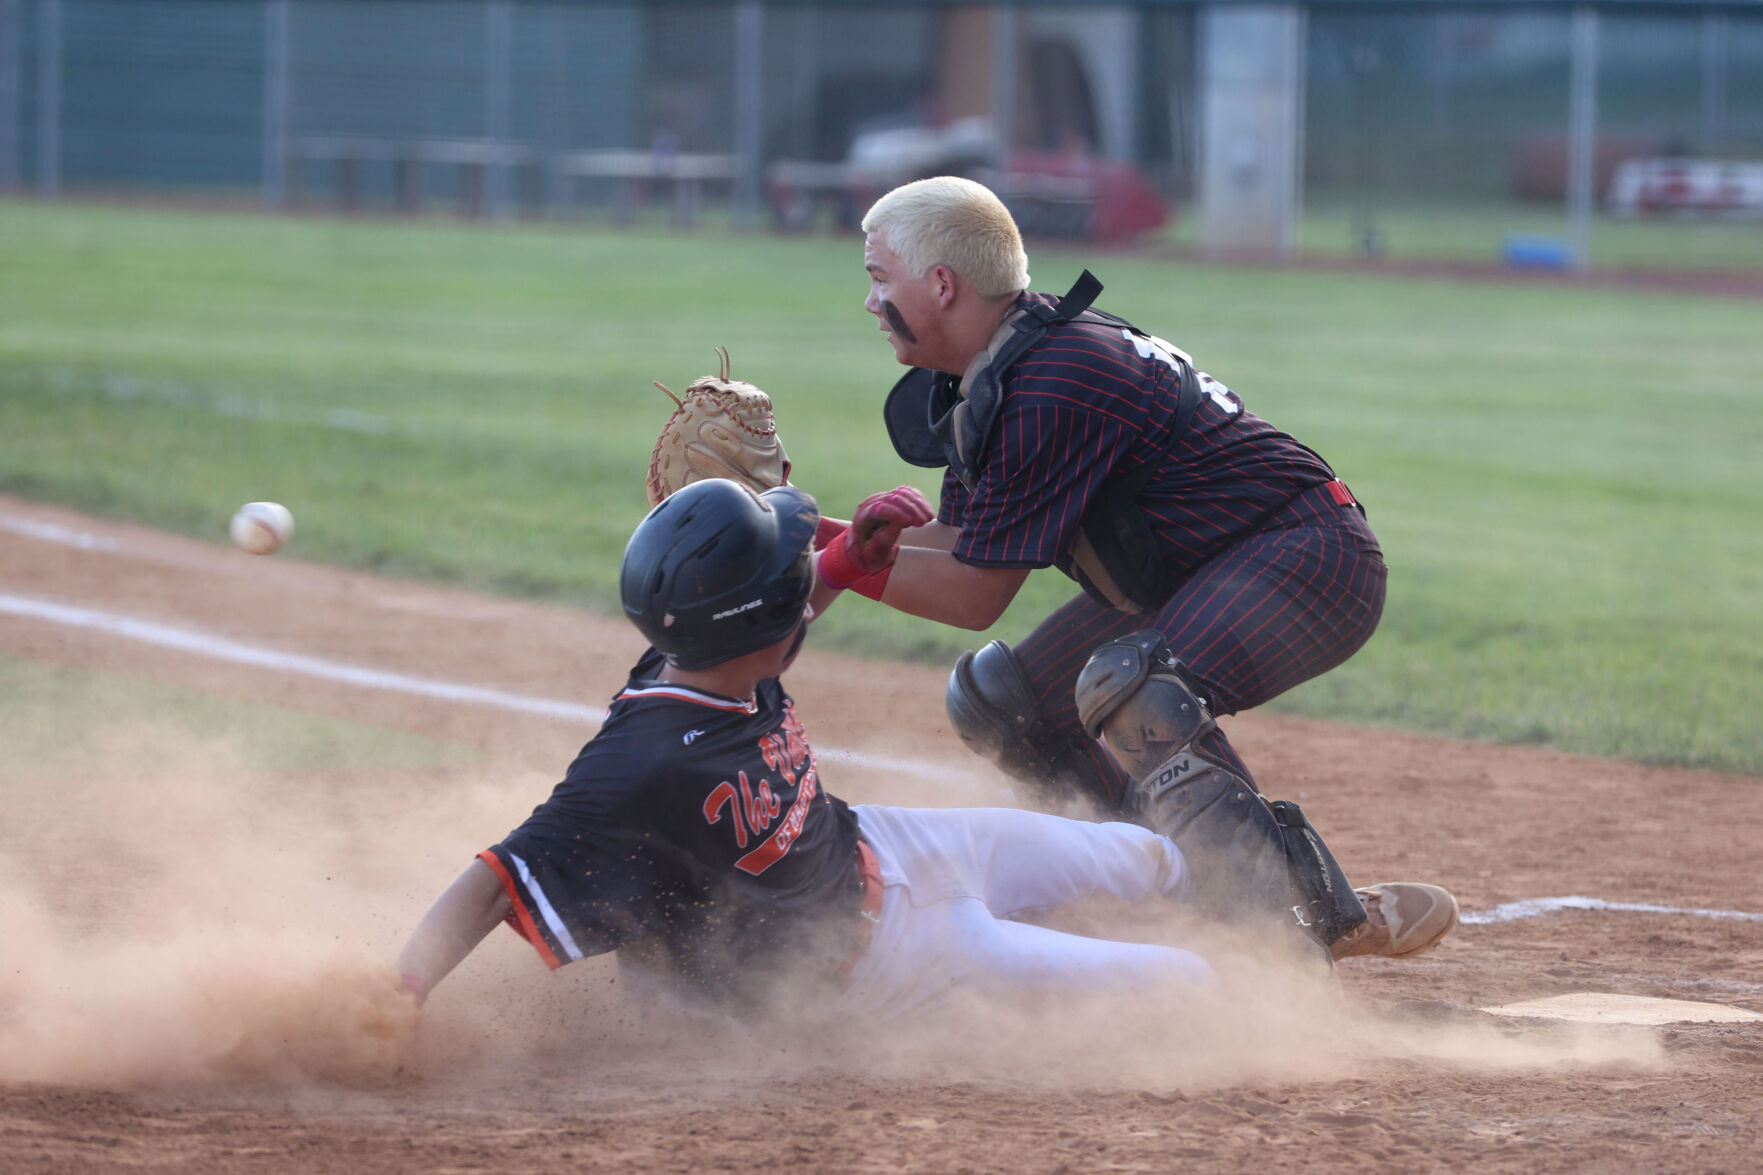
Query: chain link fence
{"points": [[796, 114]]}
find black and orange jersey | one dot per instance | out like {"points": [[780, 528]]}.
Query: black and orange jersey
{"points": [[692, 823]]}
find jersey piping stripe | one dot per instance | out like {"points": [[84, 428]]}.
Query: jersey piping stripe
{"points": [[682, 694], [523, 917], [546, 911]]}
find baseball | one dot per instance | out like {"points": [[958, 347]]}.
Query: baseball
{"points": [[261, 527]]}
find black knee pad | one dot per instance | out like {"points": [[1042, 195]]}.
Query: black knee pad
{"points": [[993, 709]]}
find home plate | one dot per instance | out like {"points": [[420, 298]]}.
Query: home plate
{"points": [[1603, 1007]]}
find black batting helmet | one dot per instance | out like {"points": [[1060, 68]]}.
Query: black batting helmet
{"points": [[717, 571]]}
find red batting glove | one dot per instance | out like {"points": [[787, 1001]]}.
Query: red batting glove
{"points": [[866, 551], [844, 561], [902, 507]]}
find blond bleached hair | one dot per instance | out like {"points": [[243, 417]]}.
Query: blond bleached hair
{"points": [[947, 220]]}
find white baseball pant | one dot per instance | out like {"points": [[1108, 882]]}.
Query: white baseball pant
{"points": [[954, 878]]}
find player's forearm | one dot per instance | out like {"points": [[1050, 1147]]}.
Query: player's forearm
{"points": [[937, 586], [934, 536], [460, 918], [822, 597]]}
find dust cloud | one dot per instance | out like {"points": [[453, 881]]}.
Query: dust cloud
{"points": [[177, 917], [181, 919], [1275, 1021]]}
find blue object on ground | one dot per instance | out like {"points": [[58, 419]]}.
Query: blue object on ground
{"points": [[1524, 251]]}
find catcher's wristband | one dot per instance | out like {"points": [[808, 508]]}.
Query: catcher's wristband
{"points": [[837, 570], [873, 584]]}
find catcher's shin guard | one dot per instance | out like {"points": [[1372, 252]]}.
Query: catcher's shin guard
{"points": [[1325, 906], [993, 708], [1248, 857]]}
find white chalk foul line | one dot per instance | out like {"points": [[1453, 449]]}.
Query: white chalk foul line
{"points": [[1537, 907], [222, 649], [52, 533], [238, 653]]}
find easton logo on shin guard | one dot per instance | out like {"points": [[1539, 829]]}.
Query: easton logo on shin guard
{"points": [[1172, 774]]}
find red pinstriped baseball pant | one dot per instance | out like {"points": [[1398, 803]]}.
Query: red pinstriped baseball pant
{"points": [[1285, 604]]}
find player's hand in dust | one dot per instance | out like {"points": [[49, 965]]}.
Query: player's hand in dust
{"points": [[408, 986]]}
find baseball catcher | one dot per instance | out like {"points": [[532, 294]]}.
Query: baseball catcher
{"points": [[1221, 560]]}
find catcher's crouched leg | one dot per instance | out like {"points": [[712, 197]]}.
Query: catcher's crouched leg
{"points": [[1250, 858], [993, 708]]}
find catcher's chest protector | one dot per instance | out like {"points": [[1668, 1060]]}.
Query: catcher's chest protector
{"points": [[935, 420]]}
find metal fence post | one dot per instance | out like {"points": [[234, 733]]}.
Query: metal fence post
{"points": [[1713, 121], [49, 97], [1582, 132], [749, 113], [1250, 62], [275, 103], [1006, 28], [11, 83], [498, 46], [556, 121]]}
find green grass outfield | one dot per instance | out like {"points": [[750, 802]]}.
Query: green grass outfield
{"points": [[1476, 233], [1412, 229], [1566, 480]]}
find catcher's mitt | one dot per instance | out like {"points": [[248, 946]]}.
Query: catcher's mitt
{"points": [[722, 428]]}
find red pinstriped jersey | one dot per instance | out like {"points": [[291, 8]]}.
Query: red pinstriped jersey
{"points": [[1089, 400]]}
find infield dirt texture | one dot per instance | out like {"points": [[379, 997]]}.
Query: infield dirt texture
{"points": [[188, 933]]}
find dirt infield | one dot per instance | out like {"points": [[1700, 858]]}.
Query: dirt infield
{"points": [[188, 950]]}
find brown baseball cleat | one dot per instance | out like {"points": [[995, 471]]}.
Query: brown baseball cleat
{"points": [[1403, 919]]}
